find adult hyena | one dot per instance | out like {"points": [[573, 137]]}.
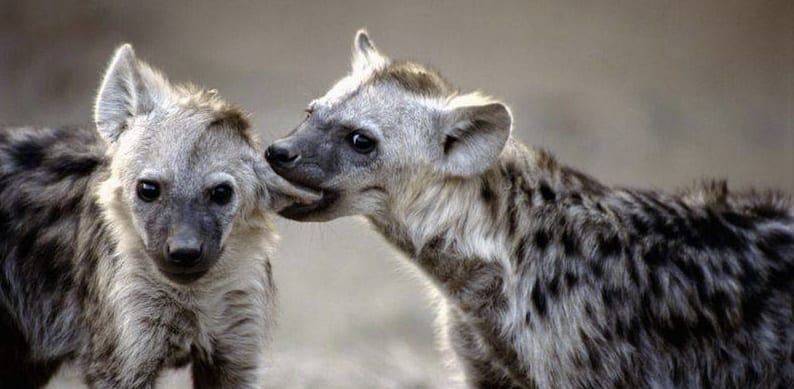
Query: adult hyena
{"points": [[140, 246], [549, 278]]}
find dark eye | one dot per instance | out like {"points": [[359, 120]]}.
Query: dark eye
{"points": [[148, 191], [221, 194], [361, 143]]}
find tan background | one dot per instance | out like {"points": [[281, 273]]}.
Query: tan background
{"points": [[638, 93]]}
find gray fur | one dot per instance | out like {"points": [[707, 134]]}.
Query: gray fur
{"points": [[546, 277], [85, 274]]}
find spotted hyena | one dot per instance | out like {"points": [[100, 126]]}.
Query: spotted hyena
{"points": [[548, 277], [139, 245]]}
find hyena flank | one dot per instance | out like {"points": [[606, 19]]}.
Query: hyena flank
{"points": [[140, 245], [548, 278]]}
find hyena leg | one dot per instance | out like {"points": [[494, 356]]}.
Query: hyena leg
{"points": [[221, 371], [233, 363], [474, 357], [236, 357], [133, 360]]}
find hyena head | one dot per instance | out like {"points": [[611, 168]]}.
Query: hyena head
{"points": [[383, 131], [184, 169]]}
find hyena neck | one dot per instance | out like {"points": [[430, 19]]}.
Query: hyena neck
{"points": [[478, 218]]}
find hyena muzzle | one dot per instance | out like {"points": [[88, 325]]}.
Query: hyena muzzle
{"points": [[140, 245], [547, 277]]}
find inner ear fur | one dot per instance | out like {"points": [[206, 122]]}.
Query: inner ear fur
{"points": [[473, 136]]}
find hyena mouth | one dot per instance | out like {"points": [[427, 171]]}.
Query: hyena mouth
{"points": [[301, 211]]}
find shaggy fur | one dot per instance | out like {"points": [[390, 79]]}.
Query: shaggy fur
{"points": [[81, 256], [548, 278]]}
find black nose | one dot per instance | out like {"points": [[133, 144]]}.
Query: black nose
{"points": [[184, 256], [281, 155]]}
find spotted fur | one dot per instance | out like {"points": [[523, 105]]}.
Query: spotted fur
{"points": [[548, 278]]}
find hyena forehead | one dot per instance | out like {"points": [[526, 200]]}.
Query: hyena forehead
{"points": [[177, 139], [392, 79]]}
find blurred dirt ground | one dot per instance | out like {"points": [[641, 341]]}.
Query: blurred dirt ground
{"points": [[637, 93]]}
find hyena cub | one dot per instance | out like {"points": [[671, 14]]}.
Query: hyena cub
{"points": [[549, 278], [140, 245]]}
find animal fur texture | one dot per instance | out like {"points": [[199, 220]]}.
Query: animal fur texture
{"points": [[90, 272], [549, 278]]}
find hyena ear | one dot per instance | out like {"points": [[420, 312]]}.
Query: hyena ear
{"points": [[474, 131], [129, 88], [276, 193], [366, 56]]}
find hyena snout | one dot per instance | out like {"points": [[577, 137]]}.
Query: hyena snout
{"points": [[187, 252], [282, 155], [183, 248]]}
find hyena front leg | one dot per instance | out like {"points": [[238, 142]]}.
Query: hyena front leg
{"points": [[149, 335], [120, 363], [235, 355], [474, 356], [229, 367]]}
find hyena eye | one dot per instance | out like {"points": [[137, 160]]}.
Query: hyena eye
{"points": [[361, 143], [148, 191], [221, 194]]}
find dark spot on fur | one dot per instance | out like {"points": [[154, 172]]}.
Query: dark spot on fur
{"points": [[695, 274], [546, 193], [596, 268], [541, 239], [674, 331], [634, 274], [710, 232], [554, 286], [609, 246], [449, 143], [610, 297], [639, 225], [737, 220], [571, 280], [656, 285], [486, 192], [78, 166], [27, 154], [569, 244], [489, 198], [656, 255], [539, 300]]}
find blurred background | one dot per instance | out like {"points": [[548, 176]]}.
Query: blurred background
{"points": [[638, 93]]}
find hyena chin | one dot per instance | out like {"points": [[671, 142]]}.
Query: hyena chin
{"points": [[140, 245], [547, 277]]}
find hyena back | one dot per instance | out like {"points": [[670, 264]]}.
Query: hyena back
{"points": [[140, 245], [547, 277]]}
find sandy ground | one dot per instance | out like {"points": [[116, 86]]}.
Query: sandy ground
{"points": [[637, 93]]}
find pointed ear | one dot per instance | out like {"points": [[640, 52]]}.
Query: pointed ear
{"points": [[474, 131], [128, 88], [365, 55]]}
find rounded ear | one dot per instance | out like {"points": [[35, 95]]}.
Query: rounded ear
{"points": [[275, 192], [366, 56], [129, 87], [474, 130]]}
